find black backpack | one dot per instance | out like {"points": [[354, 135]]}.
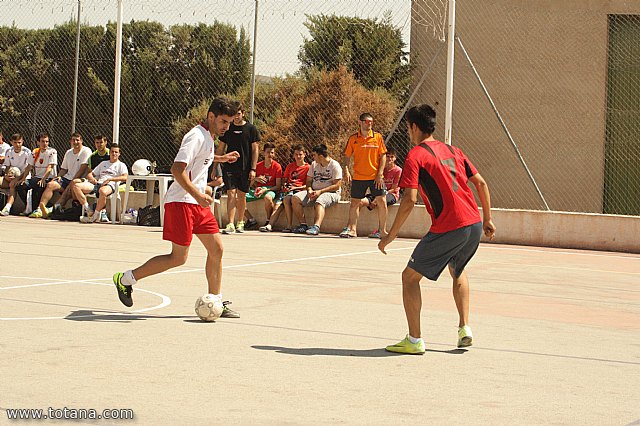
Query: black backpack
{"points": [[72, 214], [148, 216]]}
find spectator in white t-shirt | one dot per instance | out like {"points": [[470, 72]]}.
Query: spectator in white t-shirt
{"points": [[74, 166], [323, 190], [4, 147], [43, 163], [18, 157], [100, 181]]}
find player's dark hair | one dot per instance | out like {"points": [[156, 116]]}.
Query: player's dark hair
{"points": [[391, 151], [321, 149], [298, 147], [269, 145], [76, 135], [42, 135], [115, 145], [366, 115], [16, 137], [100, 137], [423, 116], [224, 106]]}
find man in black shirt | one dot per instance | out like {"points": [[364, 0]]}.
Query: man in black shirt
{"points": [[242, 137]]}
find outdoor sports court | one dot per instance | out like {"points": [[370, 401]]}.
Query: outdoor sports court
{"points": [[555, 333]]}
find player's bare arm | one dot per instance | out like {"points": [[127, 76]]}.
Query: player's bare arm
{"points": [[178, 170], [406, 206], [346, 175], [485, 201]]}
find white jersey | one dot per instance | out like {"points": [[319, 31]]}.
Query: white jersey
{"points": [[324, 176], [17, 159], [196, 151], [72, 162], [106, 170], [4, 148], [42, 161]]}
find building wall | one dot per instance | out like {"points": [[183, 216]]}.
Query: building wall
{"points": [[545, 65]]}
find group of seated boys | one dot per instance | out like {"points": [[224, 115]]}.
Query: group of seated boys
{"points": [[301, 184], [35, 178]]}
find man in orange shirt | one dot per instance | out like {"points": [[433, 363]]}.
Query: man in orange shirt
{"points": [[368, 151]]}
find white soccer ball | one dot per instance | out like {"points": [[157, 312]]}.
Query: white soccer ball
{"points": [[12, 173], [208, 307], [141, 167]]}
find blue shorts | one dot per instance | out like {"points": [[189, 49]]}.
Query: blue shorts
{"points": [[454, 248]]}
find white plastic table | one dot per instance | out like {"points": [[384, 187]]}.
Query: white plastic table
{"points": [[163, 183]]}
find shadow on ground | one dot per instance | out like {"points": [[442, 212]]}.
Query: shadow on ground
{"points": [[364, 353]]}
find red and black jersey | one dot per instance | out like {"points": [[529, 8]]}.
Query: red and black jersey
{"points": [[441, 173]]}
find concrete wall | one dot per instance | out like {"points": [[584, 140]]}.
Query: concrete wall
{"points": [[522, 227], [544, 63]]}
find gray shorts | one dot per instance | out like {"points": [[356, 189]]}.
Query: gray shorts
{"points": [[326, 199], [454, 248]]}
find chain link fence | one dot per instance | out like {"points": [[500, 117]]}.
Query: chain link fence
{"points": [[546, 98]]}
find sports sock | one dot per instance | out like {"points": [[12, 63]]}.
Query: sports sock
{"points": [[86, 207], [8, 206], [128, 278], [414, 339]]}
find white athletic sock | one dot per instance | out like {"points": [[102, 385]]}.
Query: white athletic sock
{"points": [[128, 278], [414, 339], [56, 206], [86, 206]]}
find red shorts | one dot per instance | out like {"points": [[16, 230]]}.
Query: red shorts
{"points": [[182, 220]]}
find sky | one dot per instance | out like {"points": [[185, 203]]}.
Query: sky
{"points": [[280, 22]]}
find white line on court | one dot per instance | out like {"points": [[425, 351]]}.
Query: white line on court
{"points": [[166, 301]]}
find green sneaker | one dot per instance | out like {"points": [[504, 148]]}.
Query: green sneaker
{"points": [[240, 227], [406, 347], [227, 312], [124, 291], [230, 229], [465, 336]]}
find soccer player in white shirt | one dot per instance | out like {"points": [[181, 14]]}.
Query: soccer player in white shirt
{"points": [[187, 206]]}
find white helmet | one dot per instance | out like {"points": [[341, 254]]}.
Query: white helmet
{"points": [[141, 167]]}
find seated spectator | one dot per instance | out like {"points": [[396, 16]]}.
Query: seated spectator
{"points": [[4, 147], [392, 173], [323, 190], [267, 182], [101, 182], [295, 179], [16, 157], [43, 162], [74, 166], [101, 153]]}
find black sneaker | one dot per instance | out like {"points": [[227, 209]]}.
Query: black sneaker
{"points": [[124, 291], [251, 224], [300, 229], [227, 312]]}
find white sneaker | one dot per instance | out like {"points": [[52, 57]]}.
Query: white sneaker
{"points": [[86, 219], [465, 336], [266, 228], [5, 211], [103, 217]]}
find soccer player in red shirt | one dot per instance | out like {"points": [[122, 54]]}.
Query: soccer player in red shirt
{"points": [[440, 173]]}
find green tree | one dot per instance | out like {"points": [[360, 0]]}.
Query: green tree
{"points": [[372, 49]]}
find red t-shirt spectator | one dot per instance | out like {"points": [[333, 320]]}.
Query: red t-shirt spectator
{"points": [[272, 173], [441, 173], [296, 175]]}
